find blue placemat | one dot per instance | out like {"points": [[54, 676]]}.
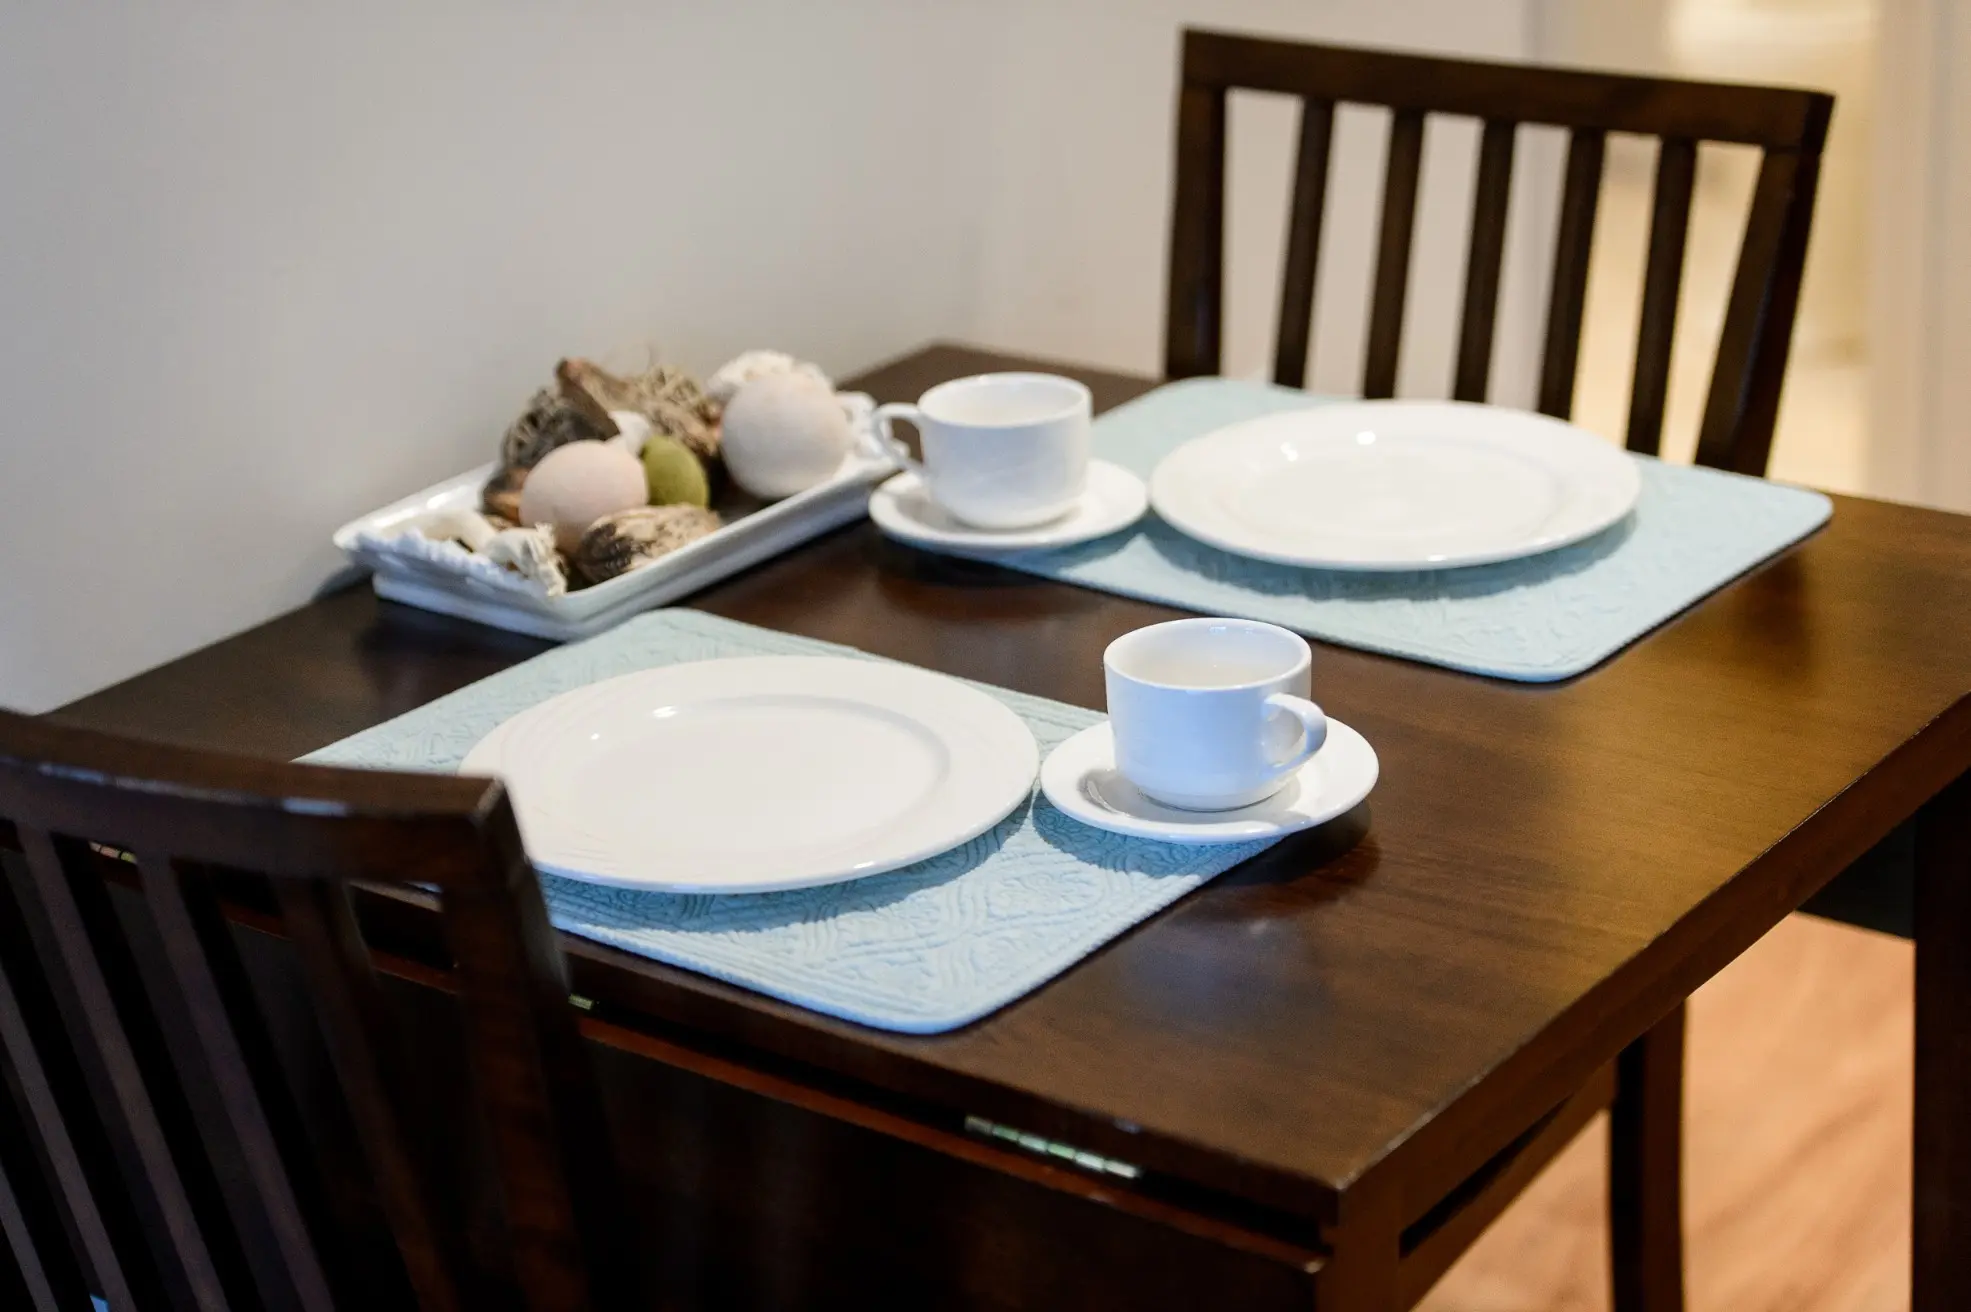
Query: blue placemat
{"points": [[1543, 618], [926, 948]]}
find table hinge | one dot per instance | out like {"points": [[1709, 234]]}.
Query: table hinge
{"points": [[1052, 1148]]}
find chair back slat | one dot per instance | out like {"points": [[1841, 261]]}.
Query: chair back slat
{"points": [[1663, 278], [202, 958], [41, 1268], [1491, 191], [1399, 219], [165, 1126], [1310, 192], [364, 1047], [1567, 299], [1758, 334], [46, 1087], [88, 954], [1790, 126], [25, 1281], [1197, 254]]}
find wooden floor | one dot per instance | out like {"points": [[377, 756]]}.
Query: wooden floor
{"points": [[1796, 1163]]}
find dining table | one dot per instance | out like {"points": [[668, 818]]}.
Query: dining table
{"points": [[1313, 1080]]}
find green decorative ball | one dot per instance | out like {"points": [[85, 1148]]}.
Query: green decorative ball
{"points": [[674, 475]]}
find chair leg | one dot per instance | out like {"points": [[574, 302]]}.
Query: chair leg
{"points": [[1645, 1171], [1940, 1255]]}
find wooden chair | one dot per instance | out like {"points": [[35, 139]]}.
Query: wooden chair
{"points": [[1791, 129], [1790, 126], [157, 1156]]}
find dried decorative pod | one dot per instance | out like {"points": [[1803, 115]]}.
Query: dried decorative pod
{"points": [[550, 421], [665, 395], [631, 539], [500, 498]]}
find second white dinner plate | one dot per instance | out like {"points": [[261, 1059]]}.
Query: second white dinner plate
{"points": [[758, 774], [1394, 485]]}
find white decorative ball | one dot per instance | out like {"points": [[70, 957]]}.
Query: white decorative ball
{"points": [[783, 433], [577, 484]]}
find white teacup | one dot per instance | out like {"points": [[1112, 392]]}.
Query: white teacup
{"points": [[1211, 714], [1001, 451]]}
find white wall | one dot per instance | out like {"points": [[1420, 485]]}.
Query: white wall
{"points": [[1072, 260], [262, 269], [1920, 289]]}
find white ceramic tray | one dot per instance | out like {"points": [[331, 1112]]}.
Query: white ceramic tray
{"points": [[743, 542]]}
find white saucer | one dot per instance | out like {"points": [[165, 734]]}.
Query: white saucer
{"points": [[760, 773], [1114, 499], [1081, 779]]}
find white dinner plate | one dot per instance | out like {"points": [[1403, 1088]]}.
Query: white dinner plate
{"points": [[1113, 500], [756, 774], [1081, 779], [1394, 485]]}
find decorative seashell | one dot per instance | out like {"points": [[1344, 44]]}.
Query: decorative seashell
{"points": [[530, 553], [784, 433], [665, 395], [577, 484], [467, 527], [631, 539], [744, 368], [550, 421]]}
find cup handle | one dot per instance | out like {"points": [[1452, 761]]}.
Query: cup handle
{"points": [[1313, 728], [887, 441]]}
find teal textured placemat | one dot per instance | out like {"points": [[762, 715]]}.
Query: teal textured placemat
{"points": [[1546, 617], [923, 949]]}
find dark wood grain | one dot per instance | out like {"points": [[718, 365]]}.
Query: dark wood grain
{"points": [[1743, 402], [1399, 219], [1541, 875], [1645, 1177], [1310, 192], [1491, 193]]}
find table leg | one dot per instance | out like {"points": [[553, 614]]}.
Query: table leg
{"points": [[1940, 1274], [1360, 1272], [1645, 1171]]}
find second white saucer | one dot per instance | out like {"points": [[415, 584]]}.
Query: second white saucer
{"points": [[1081, 779], [1115, 499]]}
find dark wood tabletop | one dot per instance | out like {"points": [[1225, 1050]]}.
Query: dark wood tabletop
{"points": [[1369, 1010]]}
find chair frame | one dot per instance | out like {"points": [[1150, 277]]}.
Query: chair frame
{"points": [[1789, 125], [102, 1073]]}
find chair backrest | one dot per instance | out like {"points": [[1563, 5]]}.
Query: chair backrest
{"points": [[159, 1155], [1790, 126]]}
